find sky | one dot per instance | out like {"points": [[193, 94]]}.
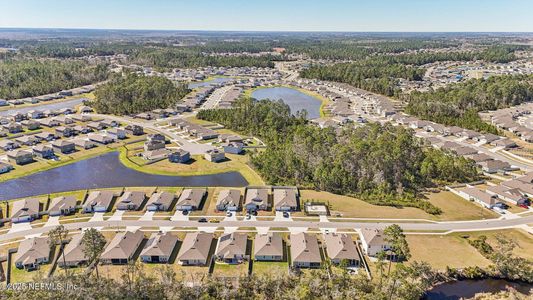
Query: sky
{"points": [[273, 15]]}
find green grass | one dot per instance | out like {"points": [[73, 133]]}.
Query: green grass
{"points": [[270, 267]]}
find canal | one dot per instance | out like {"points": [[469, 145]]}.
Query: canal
{"points": [[105, 171], [296, 100]]}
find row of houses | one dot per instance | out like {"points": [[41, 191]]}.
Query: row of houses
{"points": [[195, 249], [194, 130], [507, 119], [49, 97]]}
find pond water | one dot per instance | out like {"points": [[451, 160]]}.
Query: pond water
{"points": [[104, 171], [51, 106], [296, 100], [468, 288], [215, 80]]}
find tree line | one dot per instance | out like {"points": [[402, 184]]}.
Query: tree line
{"points": [[20, 78], [384, 165], [460, 103], [132, 94]]}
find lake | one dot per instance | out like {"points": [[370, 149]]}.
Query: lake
{"points": [[104, 171], [215, 80], [45, 106], [468, 288], [296, 100]]}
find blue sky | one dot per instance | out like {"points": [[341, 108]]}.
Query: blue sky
{"points": [[272, 15]]}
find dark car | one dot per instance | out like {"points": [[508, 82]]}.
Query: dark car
{"points": [[202, 220]]}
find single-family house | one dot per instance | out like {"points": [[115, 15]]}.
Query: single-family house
{"points": [[62, 206], [256, 199], [233, 147], [179, 156], [21, 157], [43, 151], [27, 140], [159, 248], [74, 253], [160, 201], [214, 155], [117, 133], [194, 250], [98, 201], [100, 138], [13, 127], [268, 247], [131, 200], [512, 195], [340, 248], [25, 210], [305, 252], [229, 199], [122, 248], [8, 145], [373, 241], [64, 146], [65, 131], [32, 253], [231, 248], [156, 155], [285, 199], [494, 166], [134, 130], [474, 194], [190, 199], [84, 143], [5, 167]]}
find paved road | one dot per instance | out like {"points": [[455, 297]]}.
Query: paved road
{"points": [[492, 224]]}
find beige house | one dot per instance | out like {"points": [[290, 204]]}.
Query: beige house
{"points": [[159, 248], [373, 241], [268, 247], [131, 200], [256, 199], [64, 205], [305, 252], [195, 248], [98, 201], [160, 201], [341, 248], [285, 199], [229, 200], [25, 210], [122, 248], [190, 199], [74, 253], [32, 252], [231, 248]]}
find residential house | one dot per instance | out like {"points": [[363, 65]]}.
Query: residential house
{"points": [[229, 200], [134, 130], [82, 129], [131, 200], [65, 131], [32, 253], [117, 133], [64, 146], [194, 250], [109, 123], [64, 120], [305, 252], [373, 241], [231, 248], [4, 167], [512, 195], [49, 122], [122, 248], [494, 166], [214, 155], [340, 248], [98, 201], [100, 138], [74, 253], [160, 201], [45, 136], [285, 199], [159, 248], [21, 157], [8, 145], [504, 143], [31, 124], [83, 143], [35, 114], [256, 199], [62, 206], [25, 210], [190, 199], [268, 247], [474, 194], [96, 126], [233, 148], [179, 156], [13, 127], [43, 151], [157, 154], [27, 140]]}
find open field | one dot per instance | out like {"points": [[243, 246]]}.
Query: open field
{"points": [[230, 270], [453, 207], [270, 268]]}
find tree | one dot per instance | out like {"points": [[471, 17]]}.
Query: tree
{"points": [[93, 242], [396, 239], [58, 235]]}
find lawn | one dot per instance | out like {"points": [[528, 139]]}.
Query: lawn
{"points": [[197, 166], [270, 267], [444, 250], [230, 270], [453, 207], [523, 239]]}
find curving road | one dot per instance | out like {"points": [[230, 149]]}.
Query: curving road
{"points": [[479, 225]]}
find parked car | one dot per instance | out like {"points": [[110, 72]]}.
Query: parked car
{"points": [[286, 214], [202, 220]]}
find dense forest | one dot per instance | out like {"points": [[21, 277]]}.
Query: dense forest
{"points": [[385, 165], [132, 94], [168, 58], [31, 77], [459, 104], [375, 75]]}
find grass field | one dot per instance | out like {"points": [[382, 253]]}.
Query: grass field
{"points": [[270, 268], [453, 207], [230, 270]]}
